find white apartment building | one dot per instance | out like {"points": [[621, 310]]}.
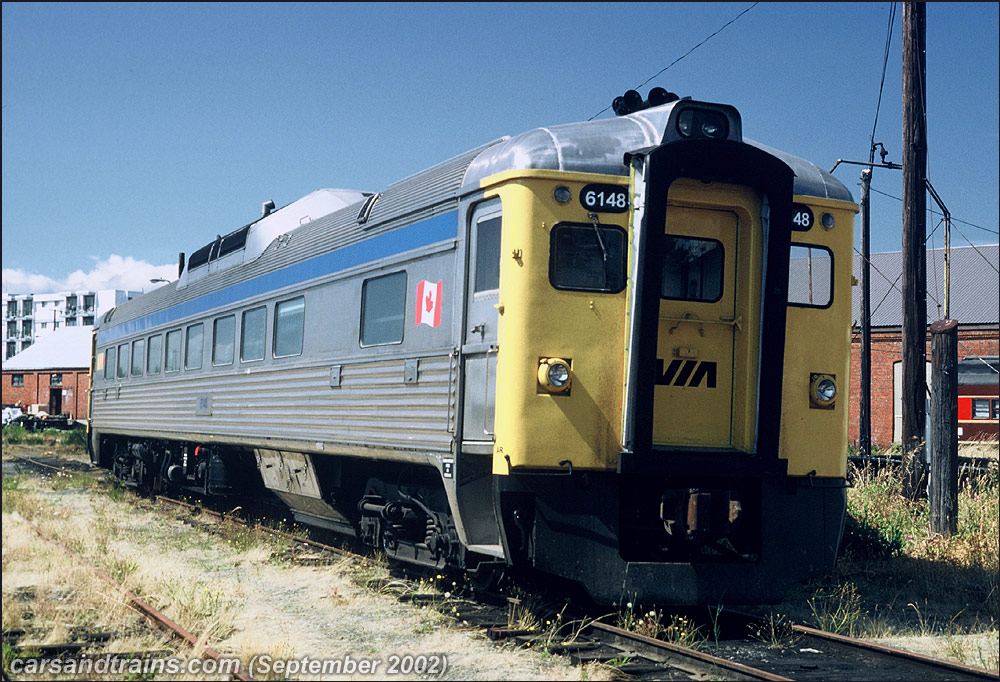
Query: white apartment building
{"points": [[29, 317]]}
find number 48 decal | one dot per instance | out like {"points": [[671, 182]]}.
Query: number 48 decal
{"points": [[802, 217]]}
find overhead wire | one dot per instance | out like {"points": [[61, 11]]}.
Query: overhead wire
{"points": [[717, 32], [881, 87]]}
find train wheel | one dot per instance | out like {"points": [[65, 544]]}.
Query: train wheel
{"points": [[489, 576]]}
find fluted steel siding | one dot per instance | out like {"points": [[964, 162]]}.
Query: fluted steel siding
{"points": [[372, 406]]}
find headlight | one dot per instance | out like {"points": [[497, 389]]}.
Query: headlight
{"points": [[685, 122], [702, 123], [554, 374], [822, 390]]}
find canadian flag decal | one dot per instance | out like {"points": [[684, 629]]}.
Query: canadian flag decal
{"points": [[429, 303]]}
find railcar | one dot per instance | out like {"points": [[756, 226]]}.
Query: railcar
{"points": [[609, 351]]}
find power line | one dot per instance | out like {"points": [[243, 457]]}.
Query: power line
{"points": [[717, 32], [881, 86], [953, 218]]}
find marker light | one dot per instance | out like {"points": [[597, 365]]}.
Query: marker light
{"points": [[827, 220], [562, 194], [554, 374]]}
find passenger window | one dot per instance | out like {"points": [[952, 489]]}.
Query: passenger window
{"points": [[122, 361], [980, 408], [252, 334], [383, 309], [289, 320], [153, 358], [138, 356], [810, 276], [173, 360], [692, 269], [109, 367], [194, 346], [587, 258], [488, 255], [224, 340]]}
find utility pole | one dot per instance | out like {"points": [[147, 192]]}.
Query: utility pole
{"points": [[865, 409], [943, 485], [914, 383]]}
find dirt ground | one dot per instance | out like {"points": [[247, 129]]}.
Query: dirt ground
{"points": [[237, 595], [242, 596]]}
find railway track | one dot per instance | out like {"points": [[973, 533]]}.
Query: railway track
{"points": [[802, 653], [797, 653], [155, 617]]}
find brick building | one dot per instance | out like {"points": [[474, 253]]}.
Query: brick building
{"points": [[53, 374], [974, 303]]}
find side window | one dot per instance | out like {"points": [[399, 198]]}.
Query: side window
{"points": [[138, 356], [224, 340], [810, 276], [173, 359], [587, 258], [692, 269], [252, 334], [488, 255], [383, 309], [153, 359], [289, 320], [980, 408], [194, 346], [109, 366], [122, 361]]}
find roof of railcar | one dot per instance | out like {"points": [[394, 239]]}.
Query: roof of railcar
{"points": [[592, 146]]}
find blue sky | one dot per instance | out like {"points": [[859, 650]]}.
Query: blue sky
{"points": [[132, 132]]}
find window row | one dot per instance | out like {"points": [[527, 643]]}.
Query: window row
{"points": [[168, 352], [383, 315]]}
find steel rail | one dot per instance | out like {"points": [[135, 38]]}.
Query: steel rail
{"points": [[679, 656], [881, 649], [271, 531], [155, 616]]}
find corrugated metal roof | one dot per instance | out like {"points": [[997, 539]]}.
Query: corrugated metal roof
{"points": [[593, 146], [427, 193], [64, 348], [974, 286]]}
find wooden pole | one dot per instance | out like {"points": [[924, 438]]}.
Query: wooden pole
{"points": [[914, 285], [865, 409], [943, 483]]}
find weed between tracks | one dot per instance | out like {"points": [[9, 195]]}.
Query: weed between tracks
{"points": [[899, 584], [235, 589]]}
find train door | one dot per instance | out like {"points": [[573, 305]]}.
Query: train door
{"points": [[479, 338], [693, 395]]}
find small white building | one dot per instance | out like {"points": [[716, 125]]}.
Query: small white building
{"points": [[30, 317]]}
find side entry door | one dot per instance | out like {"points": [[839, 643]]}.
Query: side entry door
{"points": [[479, 342]]}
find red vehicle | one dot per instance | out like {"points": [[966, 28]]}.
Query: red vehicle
{"points": [[978, 399]]}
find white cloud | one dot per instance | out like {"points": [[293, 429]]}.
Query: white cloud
{"points": [[117, 272]]}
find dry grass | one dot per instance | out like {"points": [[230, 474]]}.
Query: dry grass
{"points": [[898, 583], [231, 587]]}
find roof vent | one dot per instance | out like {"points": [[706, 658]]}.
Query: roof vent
{"points": [[266, 208]]}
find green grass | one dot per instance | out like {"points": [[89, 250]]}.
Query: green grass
{"points": [[894, 578]]}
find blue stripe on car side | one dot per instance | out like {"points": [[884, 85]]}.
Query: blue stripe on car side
{"points": [[423, 233]]}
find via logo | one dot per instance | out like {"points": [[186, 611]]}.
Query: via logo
{"points": [[689, 373]]}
